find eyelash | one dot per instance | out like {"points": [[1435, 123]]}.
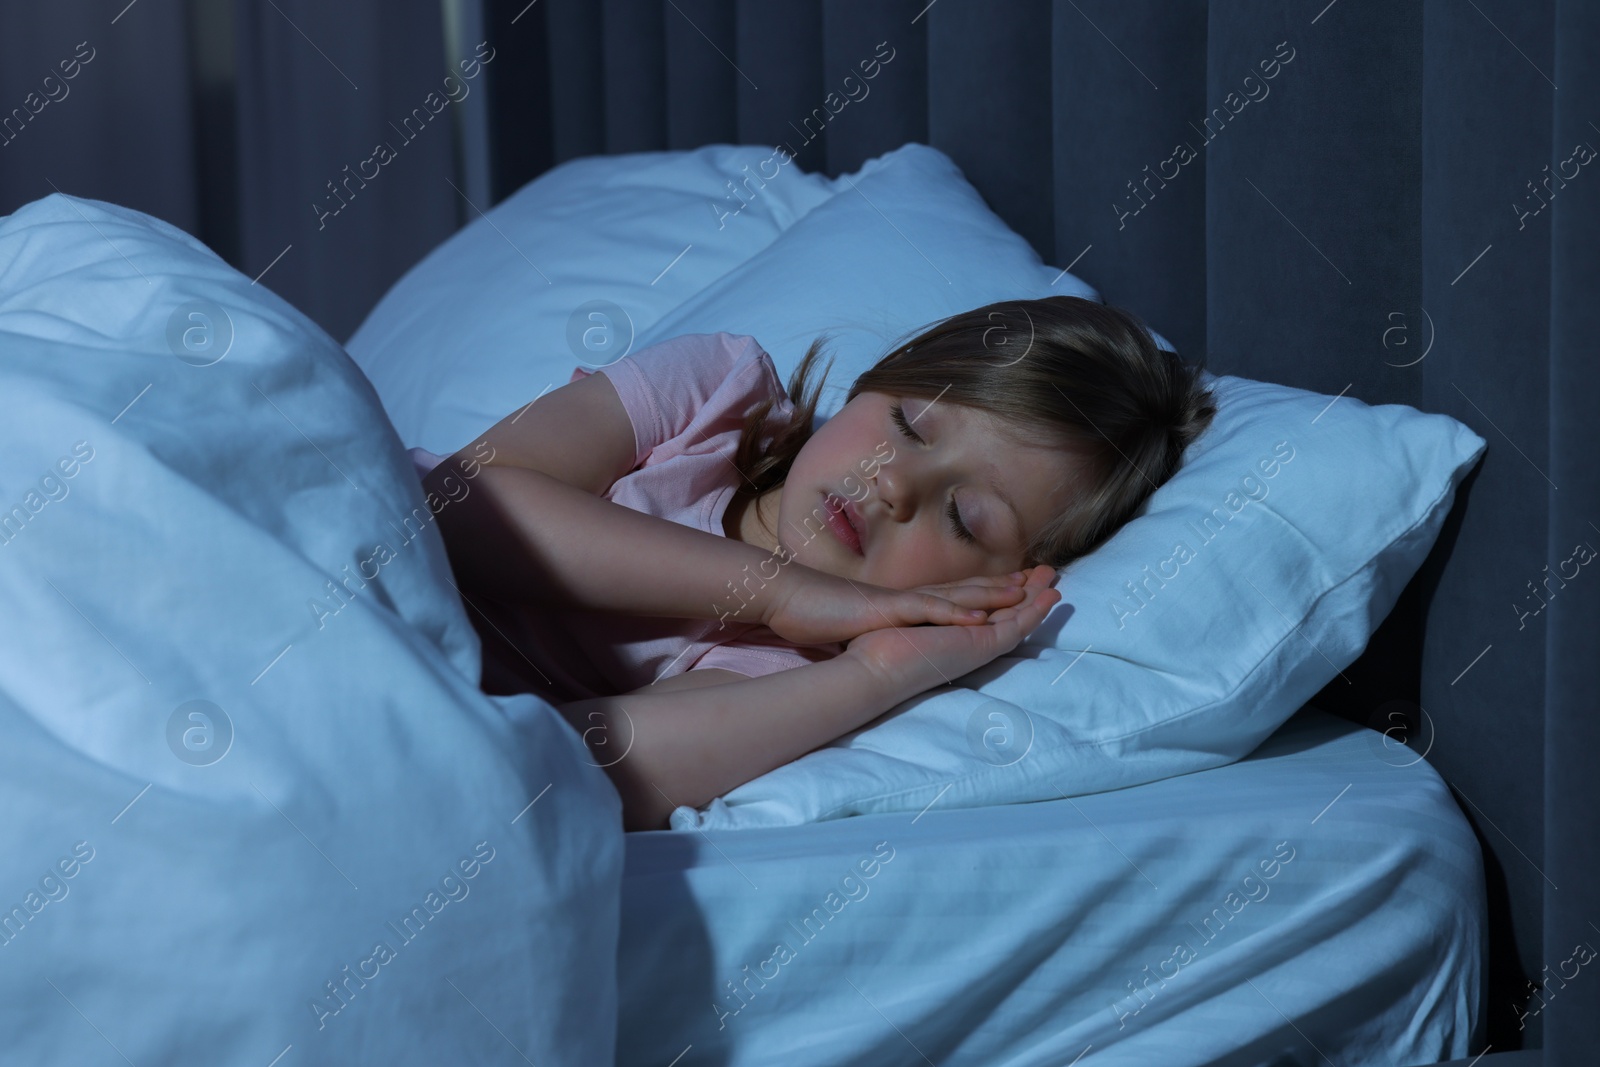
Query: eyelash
{"points": [[899, 416], [956, 525]]}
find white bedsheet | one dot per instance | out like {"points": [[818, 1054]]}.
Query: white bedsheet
{"points": [[1140, 925]]}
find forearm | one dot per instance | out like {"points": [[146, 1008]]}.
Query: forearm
{"points": [[688, 746], [522, 535]]}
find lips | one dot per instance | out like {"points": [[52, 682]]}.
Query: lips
{"points": [[857, 523], [838, 514]]}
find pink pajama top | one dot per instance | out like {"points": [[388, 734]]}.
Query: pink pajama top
{"points": [[687, 398]]}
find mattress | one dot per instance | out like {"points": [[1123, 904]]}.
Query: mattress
{"points": [[1320, 900]]}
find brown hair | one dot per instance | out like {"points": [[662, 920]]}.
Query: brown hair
{"points": [[1083, 376]]}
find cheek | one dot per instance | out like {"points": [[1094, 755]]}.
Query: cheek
{"points": [[831, 456], [806, 460], [914, 558]]}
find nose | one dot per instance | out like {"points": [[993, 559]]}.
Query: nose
{"points": [[894, 489]]}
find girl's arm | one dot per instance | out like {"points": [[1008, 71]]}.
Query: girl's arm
{"points": [[668, 747], [522, 535], [524, 518], [670, 744]]}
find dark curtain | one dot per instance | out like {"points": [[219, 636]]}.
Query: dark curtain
{"points": [[1386, 201], [242, 122], [99, 109]]}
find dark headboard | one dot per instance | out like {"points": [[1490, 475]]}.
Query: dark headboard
{"points": [[1342, 196]]}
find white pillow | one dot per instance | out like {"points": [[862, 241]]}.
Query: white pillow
{"points": [[564, 273], [242, 745], [903, 241], [1112, 690]]}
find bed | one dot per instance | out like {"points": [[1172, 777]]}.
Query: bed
{"points": [[281, 789], [1309, 903]]}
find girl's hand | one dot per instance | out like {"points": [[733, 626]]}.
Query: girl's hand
{"points": [[815, 607], [913, 659]]}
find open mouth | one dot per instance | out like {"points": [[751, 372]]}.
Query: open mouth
{"points": [[833, 510]]}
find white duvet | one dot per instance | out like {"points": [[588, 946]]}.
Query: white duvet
{"points": [[256, 809]]}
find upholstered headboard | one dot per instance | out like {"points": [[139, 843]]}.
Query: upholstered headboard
{"points": [[1383, 201]]}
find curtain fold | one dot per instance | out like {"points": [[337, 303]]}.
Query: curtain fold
{"points": [[95, 102], [254, 125], [1129, 175], [988, 113], [346, 147], [1572, 668], [1486, 290]]}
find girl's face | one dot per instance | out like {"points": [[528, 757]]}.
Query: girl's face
{"points": [[954, 498]]}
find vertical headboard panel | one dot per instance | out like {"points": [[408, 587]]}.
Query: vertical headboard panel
{"points": [[1303, 191]]}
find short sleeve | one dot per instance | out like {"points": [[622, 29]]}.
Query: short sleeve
{"points": [[688, 383]]}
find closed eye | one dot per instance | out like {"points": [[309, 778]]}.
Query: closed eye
{"points": [[899, 416], [960, 528]]}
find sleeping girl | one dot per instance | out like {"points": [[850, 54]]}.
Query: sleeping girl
{"points": [[707, 588]]}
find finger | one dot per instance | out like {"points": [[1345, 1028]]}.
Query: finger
{"points": [[1033, 613], [981, 581], [1014, 578], [939, 610], [1030, 612], [1042, 575], [984, 596], [1004, 614]]}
